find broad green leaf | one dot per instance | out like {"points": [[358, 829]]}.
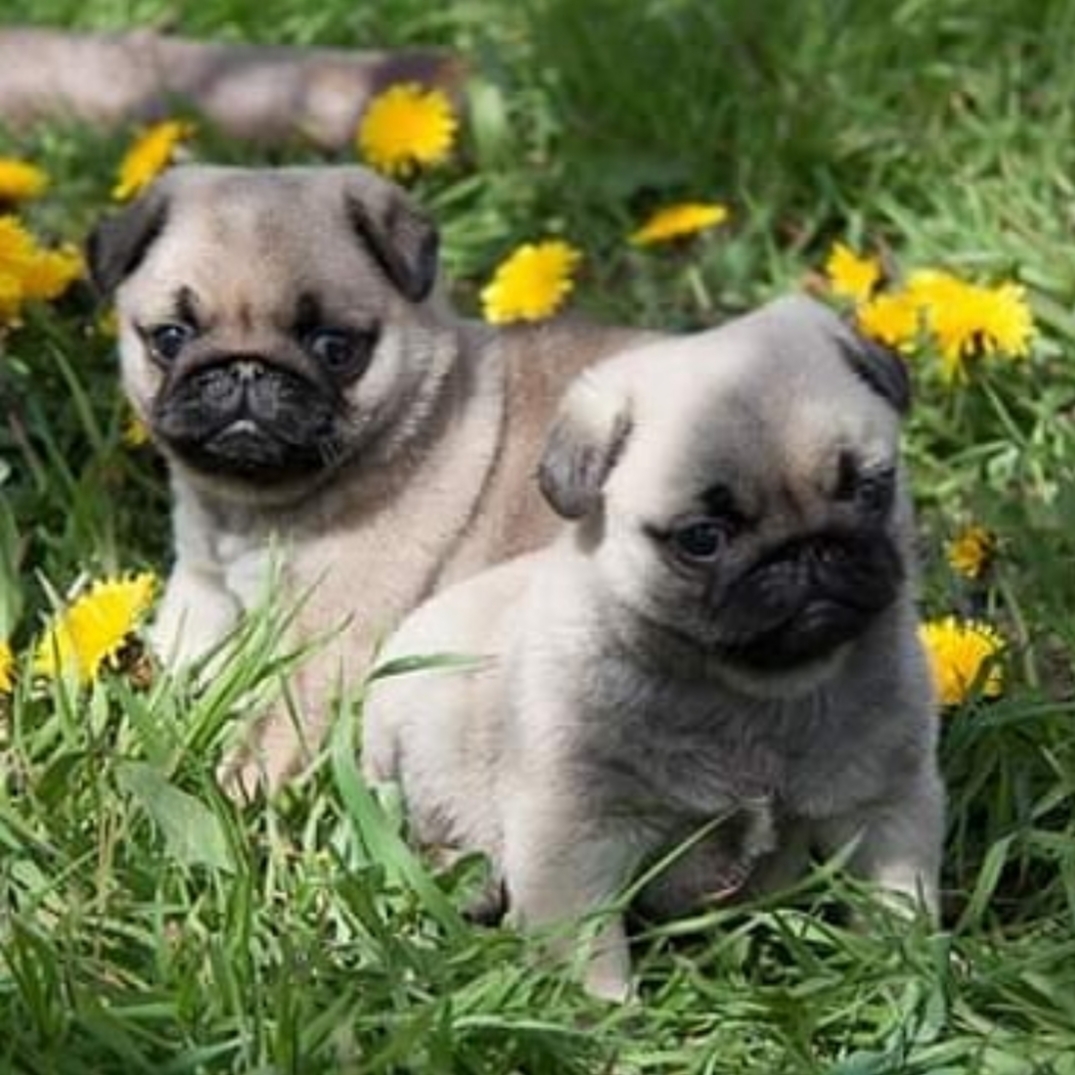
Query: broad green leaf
{"points": [[193, 832]]}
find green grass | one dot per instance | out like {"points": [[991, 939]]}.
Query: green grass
{"points": [[148, 924]]}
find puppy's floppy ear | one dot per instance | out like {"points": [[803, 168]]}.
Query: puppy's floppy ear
{"points": [[401, 239], [586, 439], [117, 245], [880, 367]]}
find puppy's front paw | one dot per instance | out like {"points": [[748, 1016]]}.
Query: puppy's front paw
{"points": [[609, 983], [273, 754], [597, 952], [242, 778]]}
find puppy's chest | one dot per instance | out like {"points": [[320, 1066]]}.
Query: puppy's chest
{"points": [[252, 554], [246, 563], [693, 758]]}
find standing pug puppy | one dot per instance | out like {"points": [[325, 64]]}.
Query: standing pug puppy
{"points": [[725, 637], [283, 338]]}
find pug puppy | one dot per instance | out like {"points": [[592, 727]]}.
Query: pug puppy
{"points": [[284, 338], [719, 654]]}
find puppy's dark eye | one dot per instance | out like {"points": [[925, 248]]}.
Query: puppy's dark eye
{"points": [[168, 340], [876, 491], [847, 477], [700, 541], [871, 491], [341, 352], [330, 346]]}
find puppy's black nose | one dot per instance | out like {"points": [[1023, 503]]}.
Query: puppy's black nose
{"points": [[235, 386], [246, 370], [822, 554], [257, 389]]}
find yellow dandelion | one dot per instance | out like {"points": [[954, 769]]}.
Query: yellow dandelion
{"points": [[406, 127], [963, 656], [152, 152], [892, 319], [94, 627], [7, 668], [677, 221], [968, 320], [971, 552], [850, 275], [1009, 326], [17, 249], [28, 271], [20, 180], [17, 245], [933, 287], [52, 272], [532, 283]]}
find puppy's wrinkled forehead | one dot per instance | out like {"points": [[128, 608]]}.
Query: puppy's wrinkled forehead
{"points": [[251, 239], [785, 403], [253, 242]]}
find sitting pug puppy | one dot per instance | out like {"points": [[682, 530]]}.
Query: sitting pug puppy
{"points": [[283, 337], [721, 646]]}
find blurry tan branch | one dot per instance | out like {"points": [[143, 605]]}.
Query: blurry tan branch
{"points": [[258, 92]]}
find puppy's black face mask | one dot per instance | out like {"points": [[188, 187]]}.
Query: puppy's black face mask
{"points": [[245, 417], [265, 416], [807, 598], [777, 603]]}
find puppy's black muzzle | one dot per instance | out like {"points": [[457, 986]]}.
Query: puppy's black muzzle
{"points": [[242, 415], [809, 597]]}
